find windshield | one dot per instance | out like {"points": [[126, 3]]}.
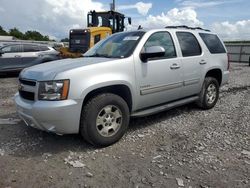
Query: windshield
{"points": [[119, 45]]}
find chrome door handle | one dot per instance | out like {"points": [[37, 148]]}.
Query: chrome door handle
{"points": [[203, 62], [174, 66], [17, 56]]}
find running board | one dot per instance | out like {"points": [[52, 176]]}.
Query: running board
{"points": [[164, 107]]}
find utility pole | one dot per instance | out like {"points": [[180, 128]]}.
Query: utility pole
{"points": [[112, 6]]}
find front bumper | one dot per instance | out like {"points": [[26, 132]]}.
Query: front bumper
{"points": [[61, 117]]}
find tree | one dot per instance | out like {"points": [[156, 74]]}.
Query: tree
{"points": [[33, 35], [16, 33], [28, 35], [3, 32], [65, 40]]}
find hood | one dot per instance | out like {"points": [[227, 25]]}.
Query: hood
{"points": [[48, 71]]}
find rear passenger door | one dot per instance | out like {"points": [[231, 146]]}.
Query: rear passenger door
{"points": [[192, 63], [11, 59], [159, 79], [30, 54]]}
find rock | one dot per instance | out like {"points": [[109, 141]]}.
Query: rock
{"points": [[247, 162], [245, 152], [160, 166], [161, 173], [47, 155], [180, 182], [2, 152], [245, 181], [156, 157], [161, 149], [75, 164], [227, 142], [140, 135], [90, 175]]}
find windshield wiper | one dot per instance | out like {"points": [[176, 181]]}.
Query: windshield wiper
{"points": [[102, 55], [98, 55]]}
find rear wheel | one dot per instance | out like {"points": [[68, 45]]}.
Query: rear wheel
{"points": [[104, 120], [209, 94]]}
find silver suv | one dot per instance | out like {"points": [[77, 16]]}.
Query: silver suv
{"points": [[129, 74], [15, 57]]}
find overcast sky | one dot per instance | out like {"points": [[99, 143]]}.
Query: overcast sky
{"points": [[229, 18]]}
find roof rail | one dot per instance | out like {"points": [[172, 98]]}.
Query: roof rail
{"points": [[186, 27]]}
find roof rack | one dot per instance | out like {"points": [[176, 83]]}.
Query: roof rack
{"points": [[186, 27]]}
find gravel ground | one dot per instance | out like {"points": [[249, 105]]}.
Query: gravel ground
{"points": [[183, 147]]}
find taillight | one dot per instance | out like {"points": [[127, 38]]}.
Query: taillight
{"points": [[228, 61]]}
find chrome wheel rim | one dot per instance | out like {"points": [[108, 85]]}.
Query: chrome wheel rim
{"points": [[211, 94], [109, 121]]}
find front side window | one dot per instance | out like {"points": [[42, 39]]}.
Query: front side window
{"points": [[118, 45], [189, 44], [213, 43], [164, 40], [12, 49]]}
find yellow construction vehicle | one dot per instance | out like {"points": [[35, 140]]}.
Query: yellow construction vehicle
{"points": [[100, 25]]}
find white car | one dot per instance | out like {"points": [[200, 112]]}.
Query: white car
{"points": [[15, 57], [136, 73]]}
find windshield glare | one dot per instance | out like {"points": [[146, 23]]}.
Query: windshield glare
{"points": [[119, 45]]}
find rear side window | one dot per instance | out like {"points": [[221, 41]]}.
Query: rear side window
{"points": [[44, 48], [189, 44], [31, 48], [213, 43]]}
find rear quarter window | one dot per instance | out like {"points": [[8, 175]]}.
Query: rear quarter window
{"points": [[189, 44], [213, 43]]}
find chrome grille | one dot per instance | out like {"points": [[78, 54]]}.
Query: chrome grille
{"points": [[27, 89]]}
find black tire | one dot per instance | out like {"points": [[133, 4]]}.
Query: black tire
{"points": [[203, 98], [93, 109]]}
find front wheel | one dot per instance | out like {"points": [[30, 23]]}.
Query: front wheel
{"points": [[104, 120], [209, 94]]}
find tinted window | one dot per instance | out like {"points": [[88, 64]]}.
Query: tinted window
{"points": [[189, 44], [31, 48], [44, 48], [97, 39], [163, 39], [213, 43], [12, 49]]}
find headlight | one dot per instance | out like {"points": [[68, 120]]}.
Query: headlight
{"points": [[53, 90]]}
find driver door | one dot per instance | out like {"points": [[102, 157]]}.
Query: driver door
{"points": [[159, 80]]}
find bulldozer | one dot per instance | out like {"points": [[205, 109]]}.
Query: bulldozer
{"points": [[99, 26]]}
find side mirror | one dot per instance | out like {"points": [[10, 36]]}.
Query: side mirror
{"points": [[1, 53], [129, 20], [151, 52]]}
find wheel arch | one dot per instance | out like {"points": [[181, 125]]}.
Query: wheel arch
{"points": [[121, 90], [215, 73]]}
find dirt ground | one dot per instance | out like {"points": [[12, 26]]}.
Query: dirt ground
{"points": [[183, 147]]}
